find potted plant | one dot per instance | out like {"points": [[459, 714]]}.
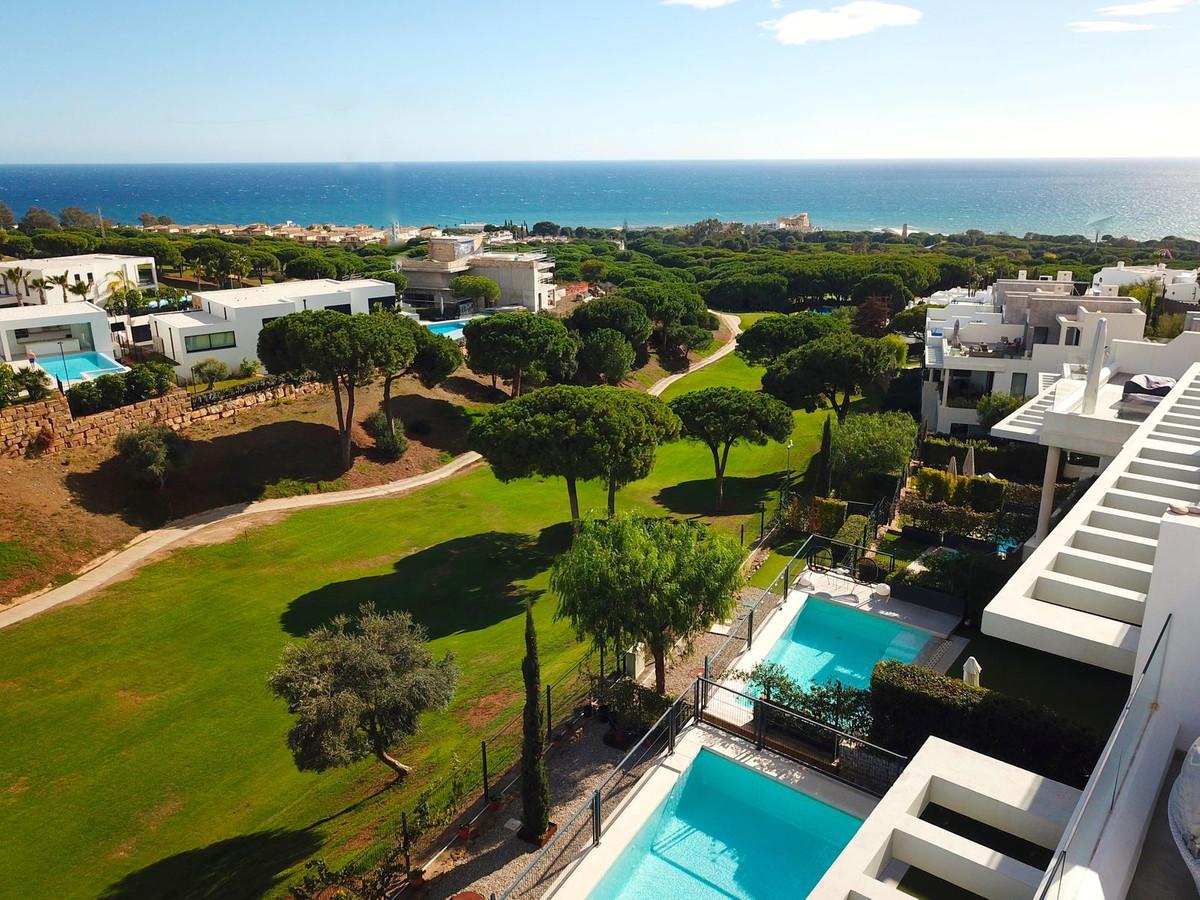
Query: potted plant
{"points": [[496, 800], [416, 877], [466, 831]]}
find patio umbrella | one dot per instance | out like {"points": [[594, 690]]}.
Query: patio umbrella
{"points": [[969, 463], [971, 670], [952, 468], [954, 341]]}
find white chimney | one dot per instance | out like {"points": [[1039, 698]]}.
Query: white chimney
{"points": [[1022, 275], [1120, 264]]}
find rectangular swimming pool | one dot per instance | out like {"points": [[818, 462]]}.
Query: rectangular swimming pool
{"points": [[726, 831], [75, 367], [829, 642]]}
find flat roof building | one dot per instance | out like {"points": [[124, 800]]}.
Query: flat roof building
{"points": [[97, 270]]}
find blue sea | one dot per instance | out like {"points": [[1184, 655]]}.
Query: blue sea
{"points": [[1137, 198]]}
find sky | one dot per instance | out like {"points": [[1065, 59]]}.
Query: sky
{"points": [[418, 80]]}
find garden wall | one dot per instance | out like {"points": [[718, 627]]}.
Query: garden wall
{"points": [[50, 423]]}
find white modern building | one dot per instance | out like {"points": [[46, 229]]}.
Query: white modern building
{"points": [[1008, 338], [799, 222], [1176, 285], [97, 270], [224, 325], [525, 279]]}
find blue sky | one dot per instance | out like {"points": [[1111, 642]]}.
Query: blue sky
{"points": [[137, 81]]}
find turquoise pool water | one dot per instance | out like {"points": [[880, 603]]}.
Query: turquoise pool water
{"points": [[828, 642], [76, 366], [452, 329], [728, 831]]}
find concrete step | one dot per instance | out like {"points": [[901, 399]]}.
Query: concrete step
{"points": [[1115, 543], [1122, 573], [1090, 596], [1125, 522], [1182, 491]]}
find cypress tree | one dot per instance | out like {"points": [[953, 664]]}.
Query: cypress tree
{"points": [[824, 463], [535, 787]]}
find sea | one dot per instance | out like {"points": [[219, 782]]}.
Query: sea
{"points": [[1144, 199]]}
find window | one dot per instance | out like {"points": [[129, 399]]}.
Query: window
{"points": [[340, 307], [198, 343], [91, 280], [1019, 381]]}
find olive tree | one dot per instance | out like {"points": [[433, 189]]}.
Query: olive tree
{"points": [[357, 688], [655, 581]]}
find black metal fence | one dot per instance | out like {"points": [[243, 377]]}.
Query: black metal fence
{"points": [[765, 725]]}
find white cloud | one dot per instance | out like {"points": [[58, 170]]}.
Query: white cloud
{"points": [[1147, 8], [699, 4], [849, 20], [1109, 27]]}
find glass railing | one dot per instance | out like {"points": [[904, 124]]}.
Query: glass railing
{"points": [[1074, 855]]}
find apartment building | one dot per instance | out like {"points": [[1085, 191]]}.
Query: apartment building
{"points": [[1010, 337], [225, 325], [525, 279], [1180, 286], [97, 270]]}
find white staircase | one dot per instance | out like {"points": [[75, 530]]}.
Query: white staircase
{"points": [[1082, 593]]}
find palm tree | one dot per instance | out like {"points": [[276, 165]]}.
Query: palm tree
{"points": [[122, 288], [62, 281], [16, 277], [40, 285], [80, 289]]}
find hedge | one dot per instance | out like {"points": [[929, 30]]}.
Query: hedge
{"points": [[852, 530], [910, 704], [208, 398], [143, 381], [943, 516], [983, 495], [826, 516], [1016, 461]]}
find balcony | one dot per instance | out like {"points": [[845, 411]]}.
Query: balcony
{"points": [[1002, 349]]}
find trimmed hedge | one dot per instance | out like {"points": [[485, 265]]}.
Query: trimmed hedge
{"points": [[911, 703], [143, 381], [852, 530], [983, 495], [208, 398], [1014, 461], [826, 516]]}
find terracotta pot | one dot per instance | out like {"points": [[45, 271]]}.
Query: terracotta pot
{"points": [[545, 838]]}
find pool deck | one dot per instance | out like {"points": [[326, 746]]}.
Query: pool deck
{"points": [[623, 825]]}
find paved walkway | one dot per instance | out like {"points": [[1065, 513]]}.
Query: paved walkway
{"points": [[124, 561]]}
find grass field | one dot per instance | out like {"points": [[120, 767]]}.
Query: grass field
{"points": [[141, 753]]}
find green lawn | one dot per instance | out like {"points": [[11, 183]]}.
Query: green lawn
{"points": [[141, 753]]}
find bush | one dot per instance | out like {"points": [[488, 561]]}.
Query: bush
{"points": [[911, 703], [112, 391], [152, 452], [993, 407], [878, 443], [34, 382], [945, 516], [146, 380], [208, 398], [249, 368], [826, 516], [84, 398], [294, 487], [8, 386], [390, 442], [852, 530], [210, 371], [984, 495]]}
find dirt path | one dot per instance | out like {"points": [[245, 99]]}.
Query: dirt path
{"points": [[219, 524]]}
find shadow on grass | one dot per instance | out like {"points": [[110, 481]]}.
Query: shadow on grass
{"points": [[229, 468], [471, 390], [245, 866], [460, 585], [742, 495], [439, 424]]}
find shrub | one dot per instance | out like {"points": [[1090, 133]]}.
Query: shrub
{"points": [[84, 399], [8, 386], [911, 703], [944, 516], [1016, 461], [34, 382], [993, 407], [852, 530], [112, 391], [151, 451], [210, 371], [826, 516], [390, 442], [294, 487], [249, 368]]}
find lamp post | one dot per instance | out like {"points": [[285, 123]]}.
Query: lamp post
{"points": [[787, 491], [63, 356]]}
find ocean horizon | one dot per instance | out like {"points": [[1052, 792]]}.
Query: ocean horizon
{"points": [[1143, 198]]}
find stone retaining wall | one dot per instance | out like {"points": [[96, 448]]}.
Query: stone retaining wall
{"points": [[49, 422]]}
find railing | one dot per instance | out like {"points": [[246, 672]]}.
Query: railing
{"points": [[765, 725], [1083, 832]]}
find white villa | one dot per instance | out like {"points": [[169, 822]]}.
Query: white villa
{"points": [[1008, 338], [1177, 285], [97, 270], [525, 279], [224, 325], [47, 331]]}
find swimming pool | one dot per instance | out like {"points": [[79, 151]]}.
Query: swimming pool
{"points": [[452, 329], [724, 831], [829, 642], [75, 367]]}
